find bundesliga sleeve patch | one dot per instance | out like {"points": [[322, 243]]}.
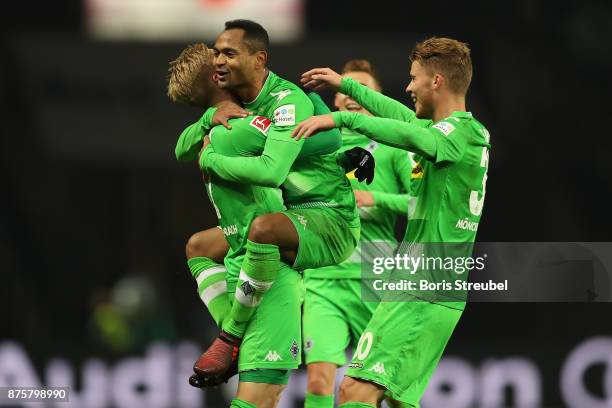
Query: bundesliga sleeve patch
{"points": [[261, 123], [444, 127], [285, 115]]}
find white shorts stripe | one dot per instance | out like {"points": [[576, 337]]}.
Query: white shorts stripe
{"points": [[209, 272], [214, 291]]}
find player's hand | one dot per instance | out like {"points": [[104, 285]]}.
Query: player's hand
{"points": [[364, 198], [228, 110], [205, 143], [312, 125], [364, 164], [321, 78]]}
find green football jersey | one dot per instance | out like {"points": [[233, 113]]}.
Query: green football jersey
{"points": [[448, 189], [452, 158], [238, 204], [390, 190], [306, 182]]}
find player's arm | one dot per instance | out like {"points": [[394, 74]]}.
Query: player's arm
{"points": [[398, 203], [271, 168], [325, 142], [434, 143], [189, 143], [375, 102], [440, 143]]}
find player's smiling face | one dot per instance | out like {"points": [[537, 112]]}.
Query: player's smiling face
{"points": [[346, 103], [420, 89], [234, 64]]}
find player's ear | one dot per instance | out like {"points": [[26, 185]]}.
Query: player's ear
{"points": [[437, 81], [261, 59]]}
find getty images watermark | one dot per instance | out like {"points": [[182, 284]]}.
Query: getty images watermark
{"points": [[486, 272]]}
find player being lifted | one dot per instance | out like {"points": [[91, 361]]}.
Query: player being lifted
{"points": [[271, 342], [321, 225], [334, 315], [404, 340]]}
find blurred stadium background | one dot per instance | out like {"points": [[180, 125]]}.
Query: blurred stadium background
{"points": [[95, 212]]}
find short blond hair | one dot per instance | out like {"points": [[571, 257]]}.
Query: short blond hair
{"points": [[449, 57], [183, 71]]}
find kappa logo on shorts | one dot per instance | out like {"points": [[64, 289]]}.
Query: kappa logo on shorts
{"points": [[247, 289], [272, 356], [302, 220], [378, 368], [294, 350]]}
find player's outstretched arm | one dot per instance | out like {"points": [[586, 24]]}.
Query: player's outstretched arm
{"points": [[394, 133], [391, 132], [375, 102]]}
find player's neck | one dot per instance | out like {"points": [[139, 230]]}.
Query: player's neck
{"points": [[222, 96], [250, 92], [447, 105]]}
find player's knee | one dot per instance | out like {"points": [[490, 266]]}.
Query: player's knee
{"points": [[321, 379], [262, 231], [320, 385], [195, 247], [349, 390]]}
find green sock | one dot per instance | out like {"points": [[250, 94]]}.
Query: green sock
{"points": [[259, 269], [238, 403], [212, 287], [319, 401], [356, 405]]}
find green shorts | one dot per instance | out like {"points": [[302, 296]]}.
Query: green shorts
{"points": [[273, 337], [402, 345], [334, 318], [327, 236]]}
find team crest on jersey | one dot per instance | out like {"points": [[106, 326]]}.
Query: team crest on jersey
{"points": [[444, 127], [285, 115], [417, 171], [261, 123]]}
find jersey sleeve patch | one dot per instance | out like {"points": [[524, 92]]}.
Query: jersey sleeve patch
{"points": [[444, 127], [285, 115], [261, 123]]}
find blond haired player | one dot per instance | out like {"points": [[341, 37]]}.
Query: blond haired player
{"points": [[404, 340]]}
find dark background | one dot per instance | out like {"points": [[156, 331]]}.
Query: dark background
{"points": [[91, 194]]}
